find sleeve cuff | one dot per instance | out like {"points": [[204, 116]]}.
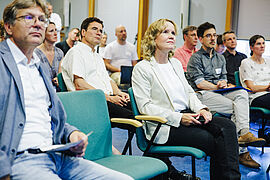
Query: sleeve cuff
{"points": [[198, 81]]}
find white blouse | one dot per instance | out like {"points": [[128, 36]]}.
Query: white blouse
{"points": [[258, 73]]}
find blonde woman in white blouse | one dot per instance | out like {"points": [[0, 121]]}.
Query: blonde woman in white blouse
{"points": [[160, 89]]}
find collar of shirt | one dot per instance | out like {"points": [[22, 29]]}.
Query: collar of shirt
{"points": [[227, 53], [184, 47], [206, 53], [19, 57], [87, 47]]}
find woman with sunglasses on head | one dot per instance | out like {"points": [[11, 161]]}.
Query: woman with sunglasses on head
{"points": [[50, 55], [160, 89], [255, 73]]}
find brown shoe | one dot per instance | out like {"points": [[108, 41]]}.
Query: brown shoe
{"points": [[250, 140], [246, 160]]}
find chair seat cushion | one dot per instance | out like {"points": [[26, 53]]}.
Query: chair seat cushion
{"points": [[137, 167], [178, 150]]}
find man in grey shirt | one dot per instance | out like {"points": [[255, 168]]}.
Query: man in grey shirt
{"points": [[206, 71]]}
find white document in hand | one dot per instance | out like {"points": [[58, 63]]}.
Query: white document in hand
{"points": [[63, 147]]}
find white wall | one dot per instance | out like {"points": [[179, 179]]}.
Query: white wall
{"points": [[3, 4], [213, 11], [116, 12], [169, 9], [78, 12], [254, 18]]}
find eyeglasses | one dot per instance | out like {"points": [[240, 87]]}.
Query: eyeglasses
{"points": [[31, 20], [210, 36]]}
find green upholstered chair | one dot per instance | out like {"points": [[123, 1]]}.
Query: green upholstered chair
{"points": [[149, 148], [128, 146], [87, 110], [61, 83], [263, 112]]}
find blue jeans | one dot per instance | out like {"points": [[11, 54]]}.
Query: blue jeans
{"points": [[55, 166]]}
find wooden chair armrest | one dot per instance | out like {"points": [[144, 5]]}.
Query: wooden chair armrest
{"points": [[132, 122], [152, 118]]}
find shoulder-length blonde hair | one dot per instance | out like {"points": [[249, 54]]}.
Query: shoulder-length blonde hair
{"points": [[148, 42]]}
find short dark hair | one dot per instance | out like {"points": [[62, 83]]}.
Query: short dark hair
{"points": [[89, 20], [203, 27], [253, 40], [187, 29], [219, 39], [226, 32]]}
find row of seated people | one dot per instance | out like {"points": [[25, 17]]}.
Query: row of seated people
{"points": [[83, 68], [207, 70], [154, 76], [149, 98]]}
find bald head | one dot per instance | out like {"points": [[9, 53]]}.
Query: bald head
{"points": [[121, 34], [50, 9]]}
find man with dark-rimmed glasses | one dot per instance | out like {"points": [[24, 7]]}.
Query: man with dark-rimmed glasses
{"points": [[31, 115], [206, 71]]}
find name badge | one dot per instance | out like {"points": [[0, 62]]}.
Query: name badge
{"points": [[218, 70]]}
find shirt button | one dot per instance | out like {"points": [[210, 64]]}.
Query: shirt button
{"points": [[21, 125], [13, 151]]}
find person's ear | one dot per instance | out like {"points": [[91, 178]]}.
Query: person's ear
{"points": [[83, 32], [185, 36], [251, 48], [201, 39], [8, 28]]}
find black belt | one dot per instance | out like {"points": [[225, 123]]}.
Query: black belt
{"points": [[31, 151]]}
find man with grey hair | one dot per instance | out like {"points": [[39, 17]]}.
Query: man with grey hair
{"points": [[184, 53], [233, 58], [119, 53], [31, 114]]}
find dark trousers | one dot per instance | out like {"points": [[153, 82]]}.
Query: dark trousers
{"points": [[221, 147], [116, 111], [262, 101]]}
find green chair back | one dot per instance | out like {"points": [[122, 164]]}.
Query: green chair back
{"points": [[89, 112], [61, 83], [140, 136], [237, 78]]}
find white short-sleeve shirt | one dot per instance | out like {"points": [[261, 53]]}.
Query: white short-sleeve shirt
{"points": [[120, 55], [83, 62]]}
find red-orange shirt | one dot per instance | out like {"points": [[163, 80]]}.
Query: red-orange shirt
{"points": [[183, 54]]}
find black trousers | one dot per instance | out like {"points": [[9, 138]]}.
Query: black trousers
{"points": [[221, 146], [116, 111], [262, 101]]}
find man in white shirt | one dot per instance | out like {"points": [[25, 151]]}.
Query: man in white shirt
{"points": [[83, 68], [54, 17], [119, 53]]}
